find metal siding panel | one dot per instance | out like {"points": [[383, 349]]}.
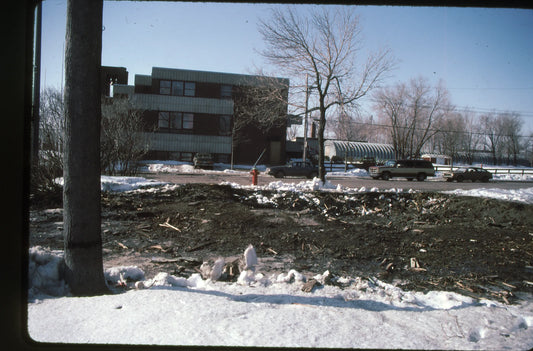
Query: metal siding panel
{"points": [[184, 104], [208, 77], [190, 143], [141, 79], [123, 89]]}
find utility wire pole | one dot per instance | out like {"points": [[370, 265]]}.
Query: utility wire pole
{"points": [[304, 157], [36, 84]]}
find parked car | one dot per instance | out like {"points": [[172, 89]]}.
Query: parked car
{"points": [[468, 173], [294, 169], [203, 160], [410, 169]]}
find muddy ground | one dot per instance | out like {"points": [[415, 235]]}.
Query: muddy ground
{"points": [[421, 241]]}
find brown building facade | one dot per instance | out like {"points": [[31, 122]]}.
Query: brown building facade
{"points": [[188, 112]]}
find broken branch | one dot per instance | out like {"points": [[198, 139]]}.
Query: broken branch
{"points": [[168, 225]]}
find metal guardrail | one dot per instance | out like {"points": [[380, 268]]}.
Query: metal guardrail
{"points": [[520, 171], [340, 167]]}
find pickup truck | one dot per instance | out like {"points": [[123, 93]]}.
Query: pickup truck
{"points": [[410, 169], [294, 169]]}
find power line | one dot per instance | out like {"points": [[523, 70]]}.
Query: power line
{"points": [[525, 114], [440, 130], [527, 88], [480, 110]]}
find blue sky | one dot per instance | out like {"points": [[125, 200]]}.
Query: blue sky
{"points": [[484, 56]]}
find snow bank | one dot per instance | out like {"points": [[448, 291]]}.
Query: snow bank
{"points": [[119, 184], [114, 274], [524, 195], [275, 312], [187, 167], [356, 172], [45, 272], [311, 185], [513, 177]]}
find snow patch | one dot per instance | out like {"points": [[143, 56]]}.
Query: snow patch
{"points": [[524, 195], [45, 272], [273, 311], [132, 273]]}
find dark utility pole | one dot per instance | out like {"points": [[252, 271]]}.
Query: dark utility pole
{"points": [[81, 192], [36, 78]]}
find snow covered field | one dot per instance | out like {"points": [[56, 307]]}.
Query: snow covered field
{"points": [[262, 310]]}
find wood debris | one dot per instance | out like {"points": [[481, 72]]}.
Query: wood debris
{"points": [[415, 265], [144, 226], [271, 250], [309, 285], [168, 225], [158, 247], [163, 260]]}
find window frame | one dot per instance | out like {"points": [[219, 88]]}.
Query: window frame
{"points": [[224, 90], [166, 120], [185, 121], [161, 87], [189, 87], [177, 88], [224, 125], [175, 121]]}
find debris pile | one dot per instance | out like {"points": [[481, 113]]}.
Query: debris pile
{"points": [[428, 240]]}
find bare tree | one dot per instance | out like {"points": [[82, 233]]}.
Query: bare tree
{"points": [[511, 124], [81, 191], [323, 47], [122, 143], [528, 147], [472, 139], [51, 138], [52, 121], [451, 135], [502, 131], [412, 111], [353, 127], [491, 126]]}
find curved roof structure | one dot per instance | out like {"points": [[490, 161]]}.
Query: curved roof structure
{"points": [[354, 149]]}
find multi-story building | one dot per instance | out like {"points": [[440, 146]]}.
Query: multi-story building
{"points": [[188, 112]]}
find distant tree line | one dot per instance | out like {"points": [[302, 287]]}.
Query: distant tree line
{"points": [[417, 118]]}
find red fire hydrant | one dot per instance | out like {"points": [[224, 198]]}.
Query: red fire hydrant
{"points": [[254, 172]]}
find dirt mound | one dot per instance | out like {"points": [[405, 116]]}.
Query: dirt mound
{"points": [[422, 241]]}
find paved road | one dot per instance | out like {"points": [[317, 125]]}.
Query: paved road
{"points": [[351, 182]]}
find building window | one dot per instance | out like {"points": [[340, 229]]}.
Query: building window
{"points": [[188, 121], [190, 88], [163, 120], [224, 125], [177, 88], [226, 91], [164, 87], [175, 121]]}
